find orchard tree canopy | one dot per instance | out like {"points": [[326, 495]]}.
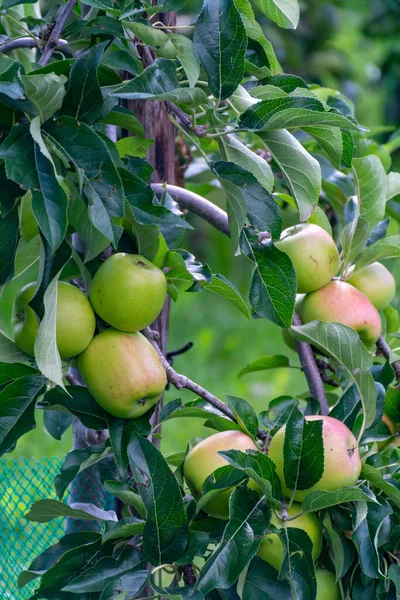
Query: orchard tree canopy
{"points": [[103, 107]]}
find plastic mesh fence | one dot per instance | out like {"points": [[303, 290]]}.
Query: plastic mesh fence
{"points": [[22, 482]]}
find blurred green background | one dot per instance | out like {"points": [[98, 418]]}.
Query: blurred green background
{"points": [[351, 46]]}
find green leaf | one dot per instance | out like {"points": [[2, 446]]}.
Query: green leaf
{"points": [[18, 152], [93, 241], [241, 539], [148, 34], [285, 13], [245, 415], [278, 413], [124, 118], [158, 78], [394, 575], [262, 583], [17, 406], [57, 422], [343, 345], [9, 353], [319, 218], [254, 31], [224, 288], [371, 184], [386, 248], [240, 154], [265, 363], [44, 511], [220, 41], [120, 431], [186, 54], [125, 528], [84, 99], [393, 185], [321, 499], [298, 565], [133, 146], [77, 461], [8, 372], [301, 170], [46, 92], [330, 140], [9, 235], [354, 238], [303, 452], [166, 531], [127, 495], [385, 485], [78, 401]]}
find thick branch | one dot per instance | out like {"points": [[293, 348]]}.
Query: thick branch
{"points": [[56, 32], [311, 371], [385, 350], [197, 205], [181, 382], [25, 42]]}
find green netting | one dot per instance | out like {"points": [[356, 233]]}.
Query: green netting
{"points": [[22, 482]]}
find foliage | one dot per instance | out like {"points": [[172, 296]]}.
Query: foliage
{"points": [[276, 145]]}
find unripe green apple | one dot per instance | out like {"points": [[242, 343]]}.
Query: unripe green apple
{"points": [[75, 320], [313, 253], [28, 224], [203, 459], [272, 550], [123, 373], [340, 302], [128, 292], [375, 282], [342, 463], [242, 100], [327, 588]]}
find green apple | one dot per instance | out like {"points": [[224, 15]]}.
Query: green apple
{"points": [[75, 320], [342, 463], [128, 292], [341, 302], [327, 588], [314, 255], [27, 222], [203, 459], [123, 373], [375, 282], [272, 549]]}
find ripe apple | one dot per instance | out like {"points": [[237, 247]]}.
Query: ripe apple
{"points": [[128, 292], [375, 282], [28, 224], [123, 373], [327, 588], [203, 459], [272, 550], [342, 464], [340, 302], [75, 320], [313, 253]]}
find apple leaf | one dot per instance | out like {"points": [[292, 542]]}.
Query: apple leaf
{"points": [[186, 54], [220, 41], [222, 287], [9, 352], [298, 565], [386, 248], [8, 371], [239, 153], [285, 13], [241, 539], [77, 461], [371, 188], [17, 407], [44, 511], [46, 91], [57, 422], [320, 499], [221, 479], [120, 431], [368, 522], [254, 31], [127, 495], [156, 79], [343, 345], [245, 415], [303, 452], [166, 531], [372, 474], [261, 582], [265, 363], [18, 152], [278, 413], [78, 401], [124, 528]]}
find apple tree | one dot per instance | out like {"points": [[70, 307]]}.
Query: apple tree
{"points": [[101, 103]]}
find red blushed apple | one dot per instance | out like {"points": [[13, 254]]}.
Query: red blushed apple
{"points": [[342, 463]]}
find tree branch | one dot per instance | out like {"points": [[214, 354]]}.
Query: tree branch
{"points": [[23, 42], [185, 120], [311, 371], [56, 32], [197, 205], [385, 350], [181, 382]]}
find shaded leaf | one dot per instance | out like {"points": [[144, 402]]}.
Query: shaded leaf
{"points": [[265, 363], [43, 511]]}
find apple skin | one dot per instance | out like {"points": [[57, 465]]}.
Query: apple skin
{"points": [[342, 463], [271, 549], [376, 283], [123, 373], [313, 253], [327, 588], [75, 320], [128, 292], [203, 459], [340, 302]]}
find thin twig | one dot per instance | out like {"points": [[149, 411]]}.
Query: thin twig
{"points": [[185, 120], [181, 381], [197, 205], [311, 371], [57, 30], [385, 350]]}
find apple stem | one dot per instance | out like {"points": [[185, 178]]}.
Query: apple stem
{"points": [[181, 381]]}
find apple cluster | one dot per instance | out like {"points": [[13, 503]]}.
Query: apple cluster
{"points": [[119, 365], [354, 301], [342, 467]]}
